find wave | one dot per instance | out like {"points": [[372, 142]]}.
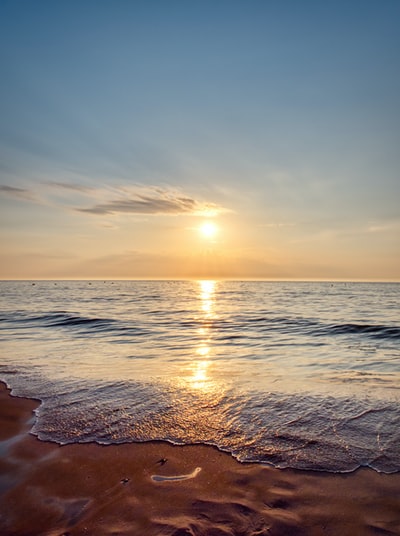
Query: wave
{"points": [[226, 329], [333, 434], [71, 320], [385, 332], [294, 375], [312, 327], [55, 319]]}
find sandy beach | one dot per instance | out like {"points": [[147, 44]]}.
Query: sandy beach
{"points": [[159, 489]]}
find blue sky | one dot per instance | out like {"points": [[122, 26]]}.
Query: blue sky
{"points": [[126, 124]]}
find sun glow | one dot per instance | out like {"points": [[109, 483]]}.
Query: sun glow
{"points": [[208, 229]]}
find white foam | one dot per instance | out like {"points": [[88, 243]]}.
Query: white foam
{"points": [[176, 478]]}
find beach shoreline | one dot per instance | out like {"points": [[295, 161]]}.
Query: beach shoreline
{"points": [[156, 488]]}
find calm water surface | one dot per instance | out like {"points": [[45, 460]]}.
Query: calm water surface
{"points": [[305, 375]]}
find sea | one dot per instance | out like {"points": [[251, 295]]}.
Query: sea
{"points": [[293, 374]]}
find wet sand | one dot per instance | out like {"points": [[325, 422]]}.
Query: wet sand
{"points": [[155, 489]]}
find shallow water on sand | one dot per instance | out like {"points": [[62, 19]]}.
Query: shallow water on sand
{"points": [[294, 374]]}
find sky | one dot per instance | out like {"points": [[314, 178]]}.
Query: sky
{"points": [[127, 125]]}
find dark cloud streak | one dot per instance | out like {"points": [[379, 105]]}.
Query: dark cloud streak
{"points": [[68, 186], [146, 204], [17, 193]]}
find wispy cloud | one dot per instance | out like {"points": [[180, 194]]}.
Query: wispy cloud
{"points": [[17, 193], [383, 226], [278, 225], [153, 201], [106, 201], [68, 186]]}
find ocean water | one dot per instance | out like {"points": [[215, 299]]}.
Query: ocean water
{"points": [[303, 375]]}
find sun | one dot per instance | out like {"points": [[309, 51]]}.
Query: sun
{"points": [[208, 229]]}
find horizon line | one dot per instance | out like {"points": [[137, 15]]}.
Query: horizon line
{"points": [[249, 279]]}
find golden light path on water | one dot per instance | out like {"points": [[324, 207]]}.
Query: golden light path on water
{"points": [[201, 366]]}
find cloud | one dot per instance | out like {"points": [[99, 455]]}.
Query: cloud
{"points": [[278, 225], [17, 193], [68, 186], [157, 201], [384, 226], [135, 199]]}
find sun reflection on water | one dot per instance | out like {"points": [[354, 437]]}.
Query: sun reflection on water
{"points": [[207, 297], [207, 288], [201, 365], [200, 376], [203, 350]]}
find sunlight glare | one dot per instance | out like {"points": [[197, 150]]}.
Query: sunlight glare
{"points": [[203, 350], [207, 289], [208, 229], [199, 379]]}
